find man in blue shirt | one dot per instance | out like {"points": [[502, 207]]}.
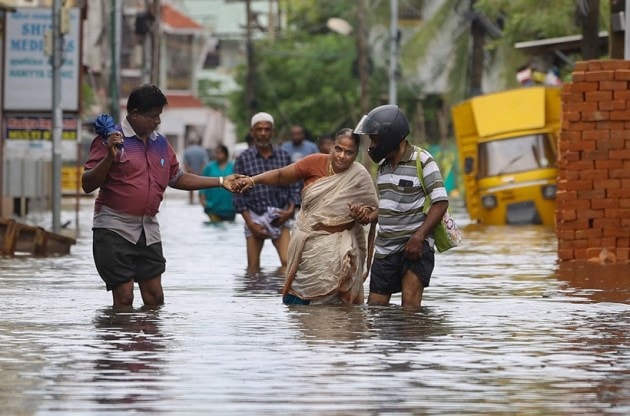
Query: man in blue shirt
{"points": [[265, 209], [299, 146]]}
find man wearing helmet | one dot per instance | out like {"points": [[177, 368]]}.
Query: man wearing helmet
{"points": [[404, 252]]}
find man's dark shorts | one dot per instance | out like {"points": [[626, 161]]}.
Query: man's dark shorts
{"points": [[387, 272], [118, 261]]}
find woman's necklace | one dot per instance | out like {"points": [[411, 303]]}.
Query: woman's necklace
{"points": [[330, 169]]}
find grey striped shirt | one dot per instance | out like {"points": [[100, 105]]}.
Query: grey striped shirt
{"points": [[402, 198]]}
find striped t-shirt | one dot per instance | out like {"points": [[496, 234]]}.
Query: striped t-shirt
{"points": [[400, 211]]}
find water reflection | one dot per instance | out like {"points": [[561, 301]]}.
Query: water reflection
{"points": [[128, 363], [263, 283]]}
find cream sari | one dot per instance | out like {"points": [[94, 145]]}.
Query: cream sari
{"points": [[328, 249]]}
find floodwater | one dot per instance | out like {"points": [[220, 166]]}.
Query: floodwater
{"points": [[503, 330]]}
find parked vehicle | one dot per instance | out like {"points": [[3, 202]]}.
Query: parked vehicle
{"points": [[507, 145]]}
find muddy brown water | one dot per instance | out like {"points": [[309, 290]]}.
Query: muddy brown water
{"points": [[503, 330]]}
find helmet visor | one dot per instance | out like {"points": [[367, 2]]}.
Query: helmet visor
{"points": [[367, 125]]}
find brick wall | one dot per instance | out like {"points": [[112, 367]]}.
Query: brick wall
{"points": [[593, 198]]}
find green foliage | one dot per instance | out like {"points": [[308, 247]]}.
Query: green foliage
{"points": [[303, 80]]}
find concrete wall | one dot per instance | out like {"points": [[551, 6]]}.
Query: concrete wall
{"points": [[593, 198]]}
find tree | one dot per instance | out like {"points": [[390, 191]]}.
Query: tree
{"points": [[307, 75]]}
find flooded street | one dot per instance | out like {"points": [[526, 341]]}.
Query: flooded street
{"points": [[501, 331]]}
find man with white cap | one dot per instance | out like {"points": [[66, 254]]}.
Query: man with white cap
{"points": [[265, 209]]}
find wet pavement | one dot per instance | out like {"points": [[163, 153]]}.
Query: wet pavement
{"points": [[503, 330]]}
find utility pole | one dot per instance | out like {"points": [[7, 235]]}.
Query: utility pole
{"points": [[57, 113], [250, 82], [155, 42], [590, 30], [476, 53], [393, 52], [616, 35], [114, 74], [362, 56]]}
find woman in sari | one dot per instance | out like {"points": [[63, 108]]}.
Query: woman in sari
{"points": [[328, 248]]}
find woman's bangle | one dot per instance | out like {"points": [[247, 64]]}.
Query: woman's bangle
{"points": [[253, 183], [220, 180]]}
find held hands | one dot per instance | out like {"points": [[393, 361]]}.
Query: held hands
{"points": [[364, 214], [242, 184], [230, 181]]}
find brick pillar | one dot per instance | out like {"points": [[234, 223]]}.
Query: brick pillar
{"points": [[593, 198]]}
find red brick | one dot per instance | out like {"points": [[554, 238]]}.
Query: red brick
{"points": [[575, 146], [588, 233], [566, 215], [606, 184], [569, 175], [610, 143], [612, 105], [619, 174], [576, 115], [593, 252], [604, 204], [594, 174], [580, 107], [609, 164], [610, 125], [620, 115], [623, 192], [585, 87], [592, 194], [594, 65], [571, 97], [565, 235], [595, 134], [570, 135], [620, 134], [617, 213], [622, 74], [620, 154], [563, 195], [598, 95], [580, 165], [621, 95], [596, 155], [615, 64], [580, 254], [573, 225], [612, 85], [589, 214], [580, 66], [578, 185], [565, 255], [602, 75], [623, 202], [605, 223], [596, 115]]}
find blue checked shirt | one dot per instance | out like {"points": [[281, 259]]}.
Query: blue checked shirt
{"points": [[258, 198]]}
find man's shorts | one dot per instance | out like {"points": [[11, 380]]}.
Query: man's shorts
{"points": [[118, 261], [387, 272]]}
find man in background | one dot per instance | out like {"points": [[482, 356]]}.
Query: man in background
{"points": [[195, 159], [267, 210], [299, 145]]}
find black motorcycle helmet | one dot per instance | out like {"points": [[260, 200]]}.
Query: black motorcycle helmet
{"points": [[391, 126]]}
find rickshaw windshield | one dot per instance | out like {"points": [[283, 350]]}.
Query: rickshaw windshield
{"points": [[516, 154]]}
